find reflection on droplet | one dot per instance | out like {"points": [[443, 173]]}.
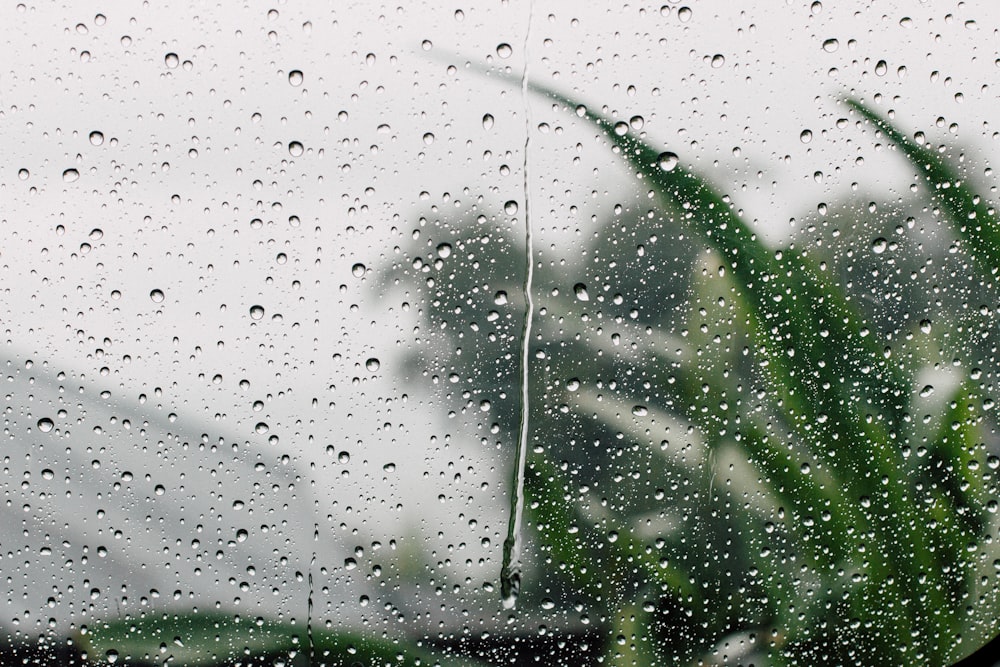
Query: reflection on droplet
{"points": [[295, 148], [504, 50], [96, 138], [171, 60], [372, 364], [668, 161], [487, 121], [23, 174], [879, 245], [295, 77], [718, 60], [45, 424], [621, 127], [573, 384], [256, 312], [510, 208], [925, 326], [70, 175], [881, 67], [156, 296], [581, 292], [806, 136], [358, 270], [444, 250], [500, 298], [429, 138], [831, 45]]}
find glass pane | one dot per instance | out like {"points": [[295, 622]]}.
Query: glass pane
{"points": [[502, 333]]}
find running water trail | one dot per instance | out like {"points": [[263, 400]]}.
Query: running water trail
{"points": [[510, 573]]}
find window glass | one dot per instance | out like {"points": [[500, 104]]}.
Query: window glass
{"points": [[499, 333]]}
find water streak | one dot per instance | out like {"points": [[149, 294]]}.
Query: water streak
{"points": [[510, 573]]}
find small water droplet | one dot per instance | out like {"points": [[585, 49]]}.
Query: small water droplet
{"points": [[156, 296], [171, 60], [242, 535], [581, 292], [504, 50], [668, 161], [295, 77], [256, 312], [96, 138], [879, 245], [487, 121], [372, 364], [70, 175], [295, 148], [684, 14]]}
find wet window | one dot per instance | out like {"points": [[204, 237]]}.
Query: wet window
{"points": [[499, 333]]}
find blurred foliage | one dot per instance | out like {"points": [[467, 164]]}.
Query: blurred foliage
{"points": [[744, 454]]}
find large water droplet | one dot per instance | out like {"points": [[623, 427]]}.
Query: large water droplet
{"points": [[806, 136], [156, 296], [358, 270], [295, 77], [879, 245], [372, 365], [487, 121], [70, 175], [444, 250], [295, 148], [510, 208], [504, 50], [256, 312], [171, 60], [831, 45], [581, 292], [668, 161], [45, 424], [718, 60], [96, 138]]}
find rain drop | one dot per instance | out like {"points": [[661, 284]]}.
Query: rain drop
{"points": [[171, 60], [621, 127], [156, 296], [295, 77], [444, 250], [510, 208], [573, 384], [879, 245], [358, 270], [256, 312], [831, 45], [372, 365], [45, 424], [668, 161], [23, 174], [295, 148], [581, 292], [428, 138], [487, 121], [718, 60], [806, 136], [96, 138], [70, 175], [504, 50]]}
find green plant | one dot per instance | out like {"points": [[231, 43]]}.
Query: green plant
{"points": [[736, 451]]}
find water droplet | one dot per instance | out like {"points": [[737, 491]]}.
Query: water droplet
{"points": [[510, 208], [640, 410], [621, 127], [295, 77], [171, 60], [581, 292], [668, 161], [636, 122], [548, 603], [70, 175], [684, 14], [160, 490], [504, 50], [718, 60], [48, 474], [879, 245], [510, 587], [295, 148], [816, 7], [156, 296], [429, 138], [344, 457], [806, 136], [805, 468], [112, 656], [372, 365], [487, 121], [881, 67], [573, 384], [242, 535], [358, 270], [444, 250], [831, 45], [256, 312], [927, 391], [500, 298], [96, 138], [261, 428], [925, 326], [96, 234], [23, 174]]}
